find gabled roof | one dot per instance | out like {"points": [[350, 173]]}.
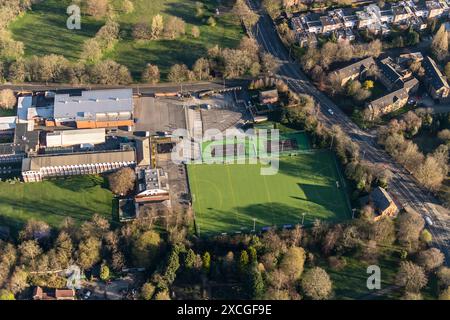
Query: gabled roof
{"points": [[392, 97], [356, 67], [381, 198], [433, 75]]}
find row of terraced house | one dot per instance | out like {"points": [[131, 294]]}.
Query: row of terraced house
{"points": [[378, 20]]}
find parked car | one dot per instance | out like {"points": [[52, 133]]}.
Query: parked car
{"points": [[428, 220], [87, 295], [330, 111]]}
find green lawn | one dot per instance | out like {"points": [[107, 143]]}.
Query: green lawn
{"points": [[44, 31], [226, 198], [350, 283], [51, 201]]}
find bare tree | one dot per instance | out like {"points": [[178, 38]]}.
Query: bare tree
{"points": [[97, 8], [439, 45], [430, 259], [7, 99], [122, 181], [316, 284], [411, 276], [151, 74]]}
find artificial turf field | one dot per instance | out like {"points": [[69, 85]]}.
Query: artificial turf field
{"points": [[227, 197]]}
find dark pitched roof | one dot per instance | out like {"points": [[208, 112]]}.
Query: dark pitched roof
{"points": [[356, 67], [389, 71], [433, 75], [381, 198], [394, 95]]}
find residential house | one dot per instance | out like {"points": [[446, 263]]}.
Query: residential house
{"points": [[330, 24], [435, 10], [401, 13], [53, 294], [268, 96], [436, 82], [355, 70], [392, 75], [383, 203], [393, 100]]}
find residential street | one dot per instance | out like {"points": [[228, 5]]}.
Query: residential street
{"points": [[403, 185]]}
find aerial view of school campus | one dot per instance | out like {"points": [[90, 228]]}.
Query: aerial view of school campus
{"points": [[224, 150]]}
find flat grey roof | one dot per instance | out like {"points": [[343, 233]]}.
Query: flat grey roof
{"points": [[93, 102]]}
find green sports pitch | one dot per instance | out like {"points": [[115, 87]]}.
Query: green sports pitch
{"points": [[230, 198]]}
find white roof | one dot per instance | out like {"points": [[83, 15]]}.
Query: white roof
{"points": [[90, 103], [7, 123]]}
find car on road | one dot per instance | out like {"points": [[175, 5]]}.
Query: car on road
{"points": [[330, 111], [87, 295], [428, 221]]}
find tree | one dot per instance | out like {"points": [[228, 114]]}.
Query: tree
{"points": [[189, 260], [146, 248], [104, 272], [7, 99], [109, 72], [426, 236], [439, 45], [243, 260], [293, 262], [443, 275], [142, 31], [178, 73], [195, 32], [147, 291], [157, 26], [430, 259], [92, 52], [316, 284], [162, 295], [206, 261], [174, 28], [211, 21], [151, 74], [429, 173], [97, 8], [201, 69], [445, 294], [18, 280], [255, 284], [270, 64], [122, 181], [34, 229], [245, 14], [29, 251], [410, 225], [127, 6], [411, 276], [89, 252], [6, 295], [444, 135], [368, 84]]}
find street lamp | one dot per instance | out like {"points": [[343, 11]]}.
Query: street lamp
{"points": [[303, 217], [254, 224], [353, 213]]}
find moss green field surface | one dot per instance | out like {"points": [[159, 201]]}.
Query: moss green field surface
{"points": [[43, 31], [52, 201], [226, 198]]}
